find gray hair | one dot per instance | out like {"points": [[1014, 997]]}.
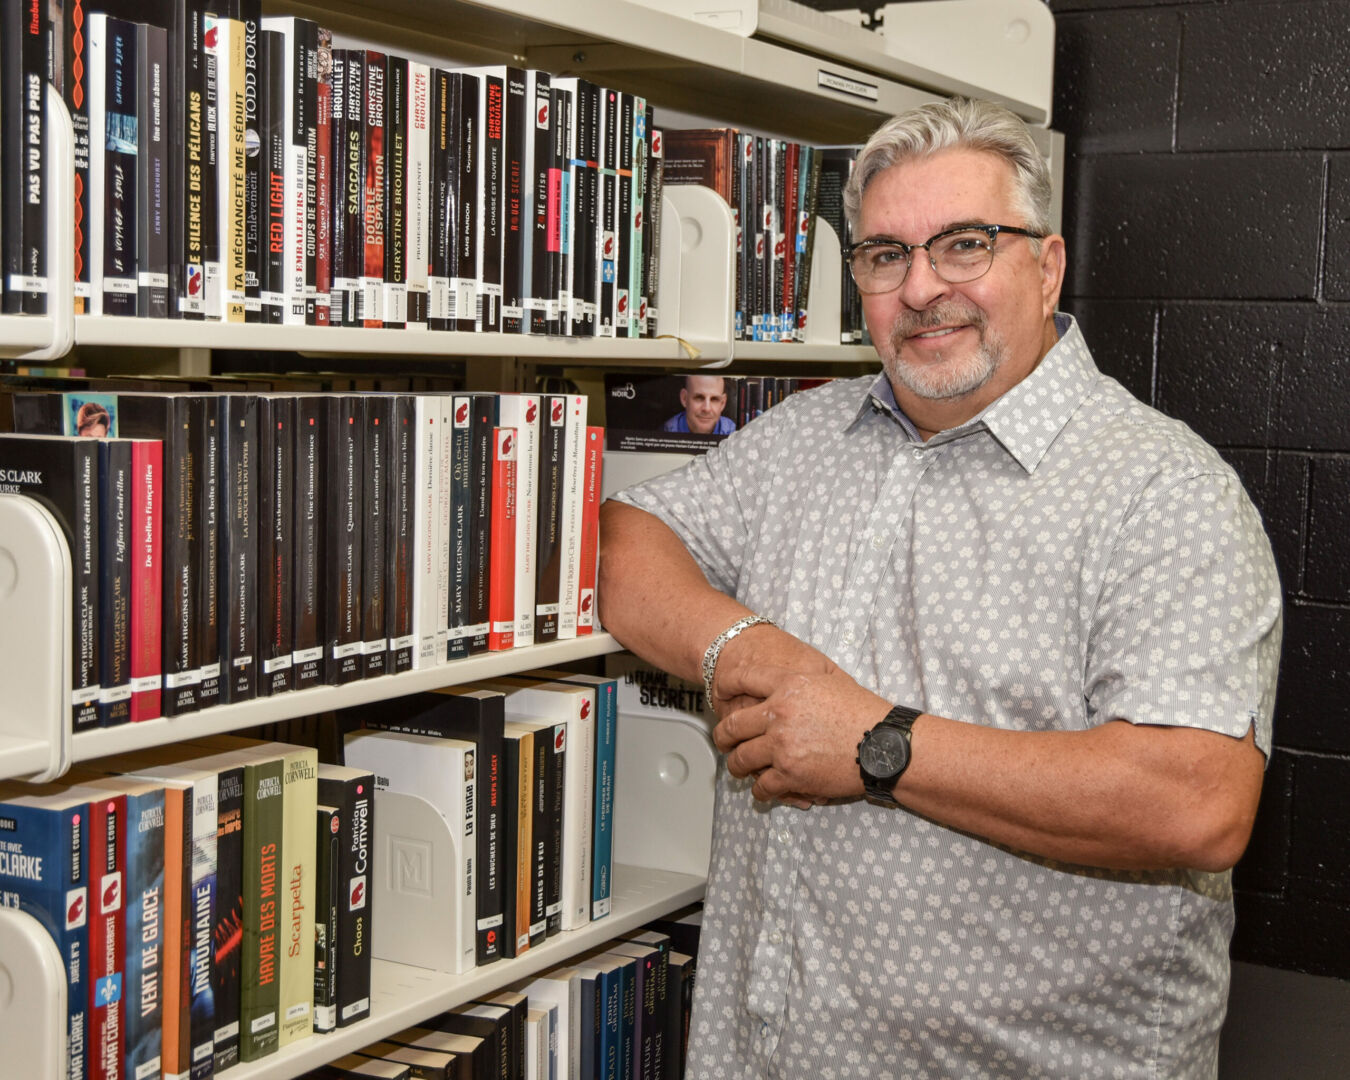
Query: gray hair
{"points": [[957, 123]]}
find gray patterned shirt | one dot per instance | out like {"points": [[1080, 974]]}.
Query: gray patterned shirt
{"points": [[1067, 557]]}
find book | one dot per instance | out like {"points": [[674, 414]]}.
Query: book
{"points": [[356, 1067], [418, 191], [324, 162], [351, 791], [276, 541], [630, 973], [147, 584], [515, 224], [601, 1012], [424, 1063], [152, 175], [371, 295], [559, 988], [540, 171], [187, 131], [444, 772], [490, 195], [552, 465], [309, 579], [539, 1043], [514, 1027], [569, 533], [300, 795], [560, 209], [107, 933], [443, 299], [679, 1006], [24, 69], [428, 613], [546, 811], [468, 155], [205, 426], [592, 495], [396, 150], [349, 78], [45, 871], [273, 56], [377, 418], [400, 553], [486, 1022], [61, 472], [647, 1061], [470, 1054], [502, 541], [263, 915], [517, 836], [72, 78], [651, 300], [521, 412], [227, 914], [638, 184], [327, 897], [457, 538], [114, 586], [344, 533], [239, 543], [572, 704], [225, 43], [580, 268], [112, 164]]}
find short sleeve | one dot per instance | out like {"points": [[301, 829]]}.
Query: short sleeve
{"points": [[1187, 629], [713, 502]]}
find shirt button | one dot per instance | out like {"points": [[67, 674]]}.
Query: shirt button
{"points": [[785, 836], [776, 938], [918, 454], [878, 541], [848, 637]]}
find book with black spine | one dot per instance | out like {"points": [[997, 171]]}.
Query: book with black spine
{"points": [[540, 125], [206, 426], [25, 67], [228, 914], [396, 150], [350, 178], [417, 192], [352, 791], [485, 418], [276, 542], [339, 276], [240, 542], [516, 218], [637, 311], [310, 583], [552, 462], [327, 894], [651, 244], [187, 160], [152, 179], [310, 188], [468, 152], [324, 162], [377, 457], [249, 14], [442, 201], [272, 56], [607, 238], [112, 165], [460, 526], [61, 472], [490, 199], [580, 264], [115, 494], [400, 555], [371, 301], [342, 537], [560, 208], [623, 216], [72, 78]]}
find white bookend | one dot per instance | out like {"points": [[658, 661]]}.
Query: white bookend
{"points": [[444, 773]]}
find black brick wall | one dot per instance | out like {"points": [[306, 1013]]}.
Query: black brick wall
{"points": [[1207, 207]]}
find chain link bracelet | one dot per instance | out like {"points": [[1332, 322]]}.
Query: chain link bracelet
{"points": [[714, 651]]}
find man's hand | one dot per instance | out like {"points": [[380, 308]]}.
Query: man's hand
{"points": [[757, 649], [799, 732]]}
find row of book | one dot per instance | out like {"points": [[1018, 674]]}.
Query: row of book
{"points": [[227, 546], [242, 168], [180, 885], [616, 1012], [777, 190]]}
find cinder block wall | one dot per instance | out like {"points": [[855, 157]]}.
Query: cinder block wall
{"points": [[1207, 208]]}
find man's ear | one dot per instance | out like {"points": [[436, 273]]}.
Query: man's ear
{"points": [[1053, 263], [684, 399]]}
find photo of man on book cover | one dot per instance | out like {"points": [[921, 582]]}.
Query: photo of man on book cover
{"points": [[703, 399], [671, 413]]}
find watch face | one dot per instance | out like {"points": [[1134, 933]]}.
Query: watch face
{"points": [[885, 752]]}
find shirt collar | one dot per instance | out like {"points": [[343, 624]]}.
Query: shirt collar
{"points": [[1025, 420]]}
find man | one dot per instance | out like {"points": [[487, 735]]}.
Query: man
{"points": [[1035, 622], [703, 397]]}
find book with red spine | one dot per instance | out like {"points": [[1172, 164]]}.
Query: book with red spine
{"points": [[107, 936], [323, 194], [502, 559], [147, 584], [592, 472], [372, 276]]}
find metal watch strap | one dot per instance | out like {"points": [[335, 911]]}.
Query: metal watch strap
{"points": [[714, 651], [901, 718]]}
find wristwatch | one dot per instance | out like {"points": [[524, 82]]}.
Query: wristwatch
{"points": [[883, 754]]}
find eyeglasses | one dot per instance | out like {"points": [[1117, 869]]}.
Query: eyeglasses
{"points": [[956, 256]]}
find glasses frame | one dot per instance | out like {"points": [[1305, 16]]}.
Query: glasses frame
{"points": [[992, 231]]}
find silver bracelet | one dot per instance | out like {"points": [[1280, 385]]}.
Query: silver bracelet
{"points": [[714, 651]]}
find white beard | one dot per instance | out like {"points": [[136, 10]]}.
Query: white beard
{"points": [[941, 379]]}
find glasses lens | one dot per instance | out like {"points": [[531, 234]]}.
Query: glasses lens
{"points": [[963, 256], [879, 268]]}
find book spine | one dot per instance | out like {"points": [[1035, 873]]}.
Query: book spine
{"points": [[638, 183], [377, 457], [84, 562], [554, 823], [464, 280], [259, 989], [521, 411], [239, 559], [119, 145], [293, 148], [31, 284], [323, 180], [515, 224], [447, 449], [272, 154], [178, 653], [569, 536], [207, 468], [460, 527], [309, 600], [343, 538], [296, 981], [417, 187], [562, 125], [602, 829], [145, 112], [253, 217], [353, 796], [75, 75], [427, 615], [114, 587], [353, 179], [187, 128], [541, 205], [623, 216], [502, 544], [201, 916], [520, 823], [276, 544], [491, 200], [327, 826], [372, 206], [395, 272], [552, 442], [177, 1034], [232, 194], [339, 273], [228, 914], [147, 586], [480, 550], [592, 476], [211, 175], [441, 202], [400, 555], [652, 245], [607, 251], [107, 936], [586, 232]]}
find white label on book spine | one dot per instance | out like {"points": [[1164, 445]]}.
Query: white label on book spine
{"points": [[227, 1031], [142, 683], [175, 679], [553, 909], [304, 656], [377, 646], [114, 694], [546, 609], [510, 311], [438, 298], [277, 663], [406, 642], [351, 648], [356, 1007], [211, 671], [844, 85], [124, 286], [600, 908], [325, 1017], [152, 281], [473, 629], [84, 695], [21, 283], [395, 302], [84, 290], [300, 1008], [241, 661], [370, 299], [149, 1068], [489, 922], [508, 627], [263, 1022]]}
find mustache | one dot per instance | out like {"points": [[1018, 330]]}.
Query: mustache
{"points": [[910, 323]]}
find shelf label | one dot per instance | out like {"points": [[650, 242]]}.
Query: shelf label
{"points": [[843, 84]]}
